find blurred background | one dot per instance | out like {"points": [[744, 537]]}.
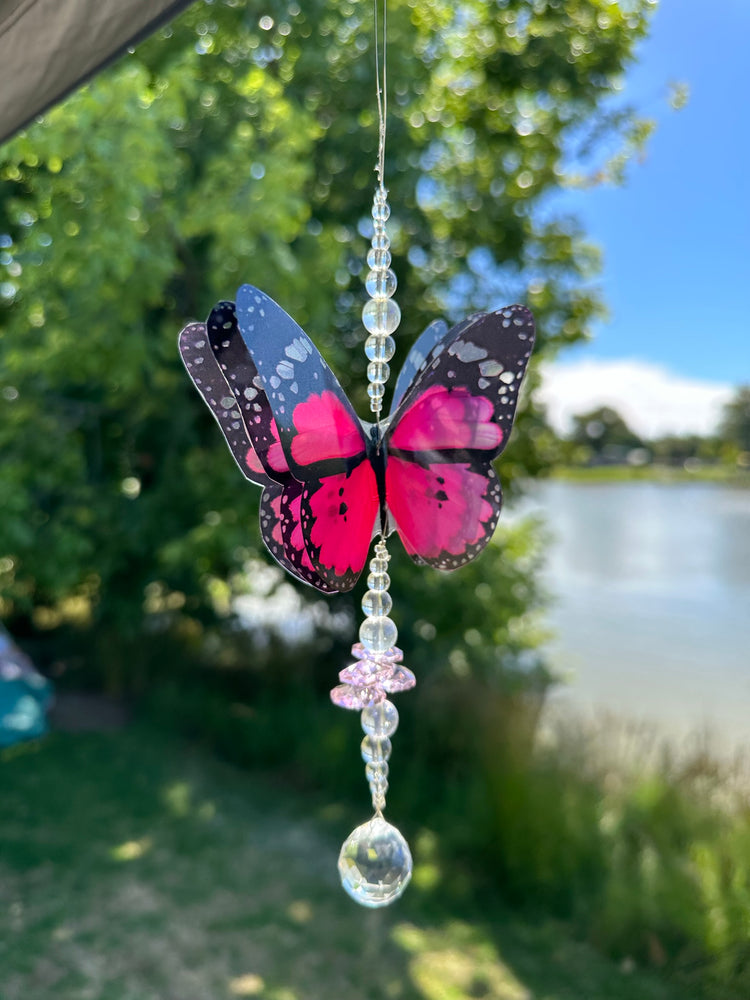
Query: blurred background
{"points": [[571, 769]]}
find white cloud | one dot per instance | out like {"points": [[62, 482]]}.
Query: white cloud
{"points": [[653, 400]]}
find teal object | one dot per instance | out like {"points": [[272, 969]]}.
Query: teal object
{"points": [[25, 695]]}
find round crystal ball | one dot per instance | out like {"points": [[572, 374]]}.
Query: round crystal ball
{"points": [[380, 720], [375, 863]]}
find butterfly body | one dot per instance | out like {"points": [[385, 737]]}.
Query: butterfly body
{"points": [[332, 481]]}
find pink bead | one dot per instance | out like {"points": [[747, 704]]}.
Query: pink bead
{"points": [[346, 696], [402, 679]]}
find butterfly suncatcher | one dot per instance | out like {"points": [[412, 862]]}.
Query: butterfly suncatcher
{"points": [[332, 482]]}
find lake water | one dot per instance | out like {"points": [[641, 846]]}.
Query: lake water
{"points": [[652, 601]]}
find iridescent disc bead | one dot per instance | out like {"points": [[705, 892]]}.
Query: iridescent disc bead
{"points": [[378, 634], [380, 348], [376, 603], [380, 720], [381, 316]]}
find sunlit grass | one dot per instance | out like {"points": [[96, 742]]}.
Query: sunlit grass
{"points": [[134, 867]]}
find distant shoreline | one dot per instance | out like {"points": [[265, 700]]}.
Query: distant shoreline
{"points": [[724, 475]]}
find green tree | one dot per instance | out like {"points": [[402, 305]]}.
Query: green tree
{"points": [[237, 145], [735, 424], [604, 432]]}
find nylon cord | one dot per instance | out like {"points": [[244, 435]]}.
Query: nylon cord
{"points": [[381, 87]]}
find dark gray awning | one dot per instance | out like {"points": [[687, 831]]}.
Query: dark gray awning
{"points": [[49, 47]]}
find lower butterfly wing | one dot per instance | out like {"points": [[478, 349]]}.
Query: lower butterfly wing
{"points": [[222, 372], [322, 439], [455, 419], [281, 530]]}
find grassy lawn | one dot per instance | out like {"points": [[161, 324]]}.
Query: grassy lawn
{"points": [[135, 867]]}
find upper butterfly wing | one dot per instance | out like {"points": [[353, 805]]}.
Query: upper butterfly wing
{"points": [[417, 357], [218, 363], [452, 423], [424, 350], [209, 380], [321, 436]]}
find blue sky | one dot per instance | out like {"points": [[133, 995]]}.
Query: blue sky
{"points": [[676, 237]]}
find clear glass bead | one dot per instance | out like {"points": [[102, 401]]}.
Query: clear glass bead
{"points": [[381, 211], [376, 391], [380, 720], [378, 371], [376, 603], [381, 316], [380, 241], [378, 581], [380, 283], [375, 748], [379, 563], [380, 348], [375, 863], [378, 634], [377, 771], [379, 256], [381, 195]]}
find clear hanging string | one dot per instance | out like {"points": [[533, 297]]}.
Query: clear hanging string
{"points": [[375, 863]]}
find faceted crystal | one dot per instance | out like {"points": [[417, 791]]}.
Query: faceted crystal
{"points": [[376, 603], [394, 655], [381, 316], [378, 634], [380, 283], [378, 371], [366, 672], [402, 679], [380, 720], [375, 863], [357, 698], [375, 748]]}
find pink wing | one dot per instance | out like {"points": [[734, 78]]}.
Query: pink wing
{"points": [[322, 439], [441, 489], [219, 365]]}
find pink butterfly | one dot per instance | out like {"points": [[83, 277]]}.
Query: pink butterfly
{"points": [[332, 481]]}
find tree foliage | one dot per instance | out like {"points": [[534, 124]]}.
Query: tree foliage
{"points": [[238, 145], [735, 424]]}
